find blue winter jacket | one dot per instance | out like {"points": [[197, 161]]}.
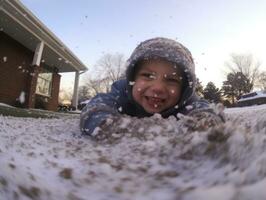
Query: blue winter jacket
{"points": [[120, 101]]}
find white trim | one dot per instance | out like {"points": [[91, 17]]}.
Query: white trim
{"points": [[75, 91], [44, 95]]}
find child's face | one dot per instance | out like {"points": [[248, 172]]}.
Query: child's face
{"points": [[157, 86]]}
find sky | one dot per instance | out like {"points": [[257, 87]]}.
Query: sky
{"points": [[211, 30]]}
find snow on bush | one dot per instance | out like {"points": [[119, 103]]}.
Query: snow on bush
{"points": [[150, 158]]}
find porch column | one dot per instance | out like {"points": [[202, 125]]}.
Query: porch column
{"points": [[35, 71], [38, 54], [75, 91]]}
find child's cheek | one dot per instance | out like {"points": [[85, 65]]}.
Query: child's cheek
{"points": [[142, 83], [137, 87], [140, 86]]}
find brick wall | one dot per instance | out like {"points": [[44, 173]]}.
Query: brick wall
{"points": [[53, 102], [17, 75], [15, 67]]}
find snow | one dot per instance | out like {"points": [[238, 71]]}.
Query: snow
{"points": [[22, 97], [5, 105], [85, 102], [131, 82], [4, 59], [151, 158]]}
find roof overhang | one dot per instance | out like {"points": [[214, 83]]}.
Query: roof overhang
{"points": [[21, 24]]}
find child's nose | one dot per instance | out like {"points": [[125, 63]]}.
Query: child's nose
{"points": [[158, 86]]}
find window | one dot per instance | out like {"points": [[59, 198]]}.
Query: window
{"points": [[44, 83]]}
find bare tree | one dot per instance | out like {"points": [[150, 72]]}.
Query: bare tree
{"points": [[84, 93], [94, 86], [246, 64], [199, 88], [262, 81], [65, 94], [109, 68]]}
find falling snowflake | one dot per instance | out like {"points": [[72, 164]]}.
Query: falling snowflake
{"points": [[22, 97], [131, 82], [5, 59], [180, 116], [176, 106], [120, 109], [189, 107], [152, 76]]}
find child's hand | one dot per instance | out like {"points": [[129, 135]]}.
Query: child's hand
{"points": [[115, 127], [202, 119], [105, 128]]}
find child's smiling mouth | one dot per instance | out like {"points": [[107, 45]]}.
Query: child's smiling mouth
{"points": [[155, 102]]}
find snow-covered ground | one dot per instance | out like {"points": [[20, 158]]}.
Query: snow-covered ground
{"points": [[49, 159]]}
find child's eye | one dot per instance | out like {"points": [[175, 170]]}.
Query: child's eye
{"points": [[147, 75], [173, 80]]}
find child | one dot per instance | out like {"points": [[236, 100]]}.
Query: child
{"points": [[160, 78]]}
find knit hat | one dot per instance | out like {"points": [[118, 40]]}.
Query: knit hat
{"points": [[169, 50]]}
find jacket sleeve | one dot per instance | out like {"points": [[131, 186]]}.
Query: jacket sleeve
{"points": [[100, 108]]}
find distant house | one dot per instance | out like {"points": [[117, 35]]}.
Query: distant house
{"points": [[253, 98], [31, 58]]}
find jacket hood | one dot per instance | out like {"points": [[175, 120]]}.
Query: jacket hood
{"points": [[171, 51]]}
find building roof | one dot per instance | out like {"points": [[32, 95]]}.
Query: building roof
{"points": [[22, 25], [252, 96]]}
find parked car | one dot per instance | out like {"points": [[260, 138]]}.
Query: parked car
{"points": [[65, 106], [253, 98]]}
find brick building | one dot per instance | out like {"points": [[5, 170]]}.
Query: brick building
{"points": [[31, 58]]}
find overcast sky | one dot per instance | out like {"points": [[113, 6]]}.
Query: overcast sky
{"points": [[212, 30]]}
